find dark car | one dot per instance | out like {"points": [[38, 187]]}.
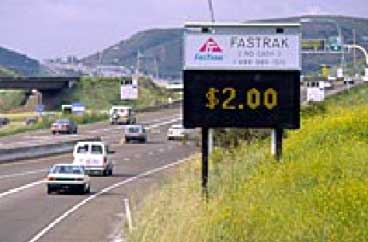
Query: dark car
{"points": [[31, 120], [4, 121], [64, 126]]}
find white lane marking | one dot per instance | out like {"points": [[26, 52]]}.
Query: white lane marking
{"points": [[161, 150], [22, 174], [18, 189], [51, 225], [126, 159], [164, 123]]}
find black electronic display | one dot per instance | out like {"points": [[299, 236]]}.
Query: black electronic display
{"points": [[243, 99]]}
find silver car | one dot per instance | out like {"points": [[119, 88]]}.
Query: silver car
{"points": [[135, 132]]}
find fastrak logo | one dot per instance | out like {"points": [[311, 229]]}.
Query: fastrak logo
{"points": [[210, 51]]}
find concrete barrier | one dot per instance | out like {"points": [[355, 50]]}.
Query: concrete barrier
{"points": [[37, 151]]}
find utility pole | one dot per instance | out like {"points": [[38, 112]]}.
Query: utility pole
{"points": [[210, 5], [354, 56]]}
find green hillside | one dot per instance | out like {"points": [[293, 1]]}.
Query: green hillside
{"points": [[317, 192], [19, 63], [165, 45], [6, 72]]}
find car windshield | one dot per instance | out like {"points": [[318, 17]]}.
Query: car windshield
{"points": [[67, 170], [177, 127], [82, 149], [135, 129], [96, 149], [62, 121]]}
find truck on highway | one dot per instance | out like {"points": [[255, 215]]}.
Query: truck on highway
{"points": [[122, 114]]}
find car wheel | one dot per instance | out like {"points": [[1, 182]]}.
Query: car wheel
{"points": [[88, 188], [53, 132], [81, 189], [49, 190], [127, 141]]}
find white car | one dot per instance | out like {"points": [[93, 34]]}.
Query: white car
{"points": [[177, 132], [68, 177], [94, 156]]}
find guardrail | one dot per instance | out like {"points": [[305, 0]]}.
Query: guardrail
{"points": [[173, 104]]}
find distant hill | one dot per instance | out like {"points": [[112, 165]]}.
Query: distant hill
{"points": [[18, 63], [7, 72], [165, 45]]}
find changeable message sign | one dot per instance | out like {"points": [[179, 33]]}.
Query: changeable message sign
{"points": [[242, 99], [243, 76]]}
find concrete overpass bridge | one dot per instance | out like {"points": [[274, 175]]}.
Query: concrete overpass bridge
{"points": [[45, 90], [41, 84]]}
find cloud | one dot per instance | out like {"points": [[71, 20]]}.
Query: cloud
{"points": [[315, 10]]}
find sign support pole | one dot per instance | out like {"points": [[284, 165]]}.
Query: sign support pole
{"points": [[205, 162], [276, 146]]}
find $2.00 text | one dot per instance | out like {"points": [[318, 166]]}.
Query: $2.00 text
{"points": [[224, 99]]}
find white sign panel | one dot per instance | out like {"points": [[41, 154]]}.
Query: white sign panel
{"points": [[129, 89], [315, 94], [242, 52], [78, 108]]}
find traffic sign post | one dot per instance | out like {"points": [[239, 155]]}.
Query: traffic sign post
{"points": [[40, 108], [241, 76]]}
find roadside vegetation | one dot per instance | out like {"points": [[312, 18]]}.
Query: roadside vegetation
{"points": [[102, 93], [18, 125], [97, 94], [317, 192], [10, 100]]}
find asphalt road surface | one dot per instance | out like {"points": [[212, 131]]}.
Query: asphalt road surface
{"points": [[27, 213]]}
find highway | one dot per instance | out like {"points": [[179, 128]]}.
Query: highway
{"points": [[29, 214]]}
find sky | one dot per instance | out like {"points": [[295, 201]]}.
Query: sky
{"points": [[57, 28]]}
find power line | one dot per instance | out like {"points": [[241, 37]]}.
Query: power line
{"points": [[210, 5]]}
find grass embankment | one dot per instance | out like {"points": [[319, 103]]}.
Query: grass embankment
{"points": [[10, 100], [101, 93], [318, 192], [45, 122], [97, 94]]}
